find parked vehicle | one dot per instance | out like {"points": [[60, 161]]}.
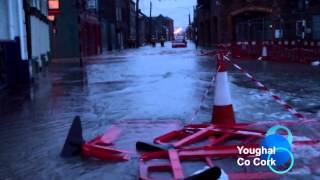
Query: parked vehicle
{"points": [[179, 42]]}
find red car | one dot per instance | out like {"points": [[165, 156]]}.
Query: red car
{"points": [[179, 42]]}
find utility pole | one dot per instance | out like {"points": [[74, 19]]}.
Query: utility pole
{"points": [[137, 25], [81, 46], [150, 23], [196, 26]]}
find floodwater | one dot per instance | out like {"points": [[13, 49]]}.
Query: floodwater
{"points": [[145, 91]]}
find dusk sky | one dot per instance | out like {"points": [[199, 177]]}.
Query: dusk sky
{"points": [[178, 10]]}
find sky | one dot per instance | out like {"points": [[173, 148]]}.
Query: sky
{"points": [[178, 10]]}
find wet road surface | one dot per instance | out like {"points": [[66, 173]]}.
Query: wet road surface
{"points": [[149, 88]]}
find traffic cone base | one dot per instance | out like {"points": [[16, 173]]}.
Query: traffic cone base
{"points": [[223, 115]]}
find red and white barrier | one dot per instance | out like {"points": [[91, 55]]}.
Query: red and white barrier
{"points": [[284, 51], [264, 88]]}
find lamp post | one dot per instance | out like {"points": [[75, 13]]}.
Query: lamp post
{"points": [[53, 10], [79, 6]]}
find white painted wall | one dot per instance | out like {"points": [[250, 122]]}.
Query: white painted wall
{"points": [[12, 23], [4, 30], [22, 30], [9, 19], [42, 5], [40, 38]]}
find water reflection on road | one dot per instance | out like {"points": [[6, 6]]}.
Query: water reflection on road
{"points": [[158, 85]]}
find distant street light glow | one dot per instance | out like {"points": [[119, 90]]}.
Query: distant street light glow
{"points": [[177, 31]]}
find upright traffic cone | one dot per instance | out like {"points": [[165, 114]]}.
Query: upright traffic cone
{"points": [[264, 52], [222, 110]]}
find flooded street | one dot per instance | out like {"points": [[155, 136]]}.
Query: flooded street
{"points": [[148, 88]]}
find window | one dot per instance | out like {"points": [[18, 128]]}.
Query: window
{"points": [[316, 27], [118, 14]]}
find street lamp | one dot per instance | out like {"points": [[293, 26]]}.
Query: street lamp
{"points": [[53, 9], [53, 4]]}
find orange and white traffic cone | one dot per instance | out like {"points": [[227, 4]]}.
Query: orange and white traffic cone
{"points": [[222, 114]]}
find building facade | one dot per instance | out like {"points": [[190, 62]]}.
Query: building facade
{"points": [[77, 29], [24, 40], [107, 16], [39, 34], [131, 32], [225, 21], [117, 18], [144, 26], [162, 26]]}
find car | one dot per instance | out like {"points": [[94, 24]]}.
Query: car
{"points": [[179, 42]]}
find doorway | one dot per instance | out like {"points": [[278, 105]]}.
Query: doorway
{"points": [[3, 81]]}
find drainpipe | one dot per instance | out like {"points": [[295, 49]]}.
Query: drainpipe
{"points": [[28, 27], [81, 46], [10, 19], [26, 7], [22, 31]]}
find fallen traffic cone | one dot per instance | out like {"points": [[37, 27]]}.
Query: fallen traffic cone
{"points": [[222, 110], [74, 140], [101, 147]]}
